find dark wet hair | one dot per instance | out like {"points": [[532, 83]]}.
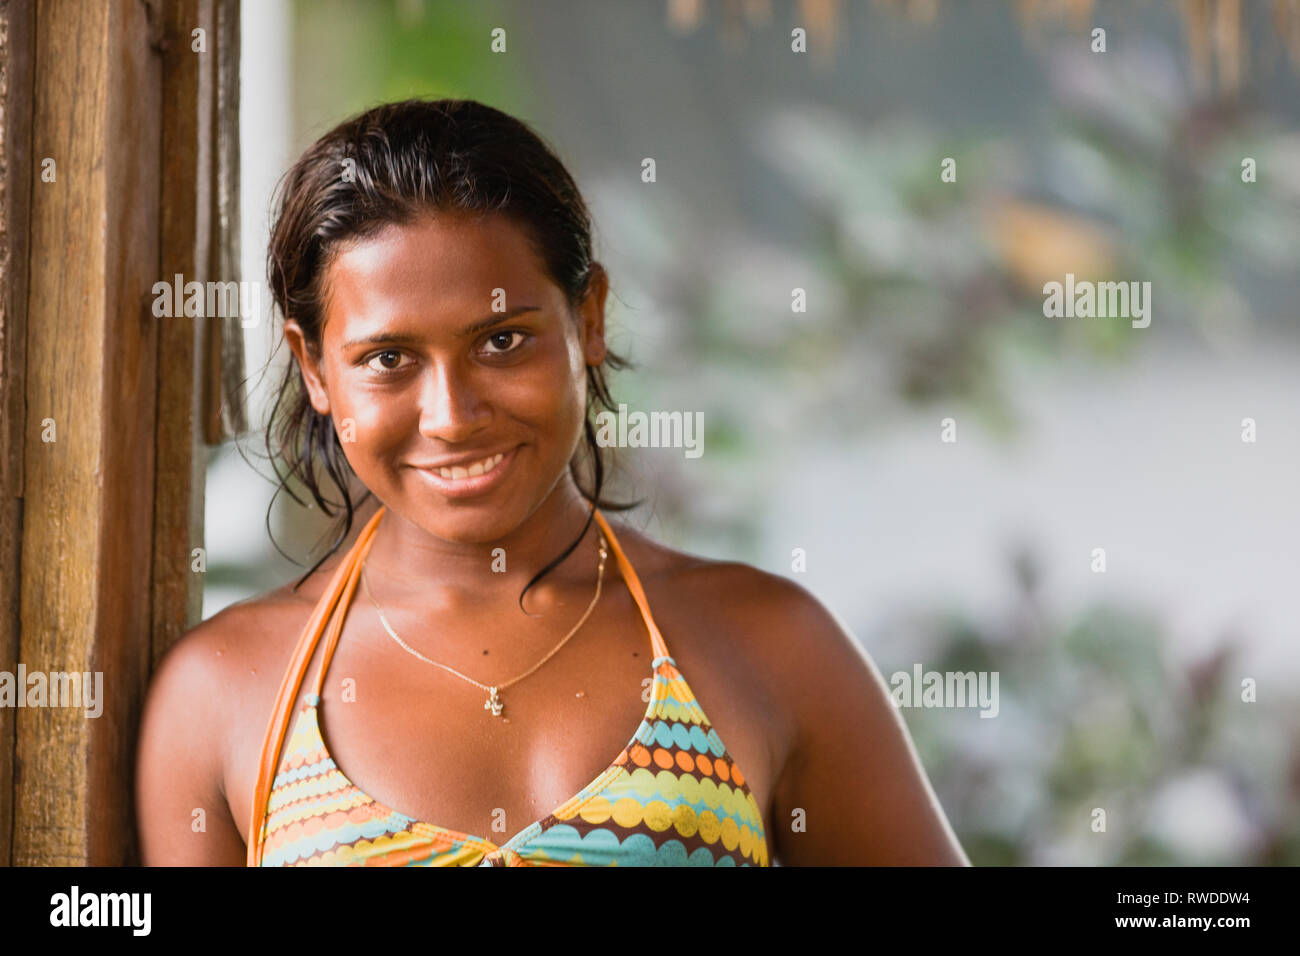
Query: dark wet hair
{"points": [[388, 166]]}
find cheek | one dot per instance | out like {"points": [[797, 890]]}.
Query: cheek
{"points": [[371, 421], [374, 414], [553, 399]]}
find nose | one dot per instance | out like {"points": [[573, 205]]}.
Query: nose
{"points": [[450, 407]]}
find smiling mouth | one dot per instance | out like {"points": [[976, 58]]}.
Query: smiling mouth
{"points": [[473, 470]]}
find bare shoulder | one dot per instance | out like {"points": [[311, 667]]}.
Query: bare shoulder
{"points": [[848, 769], [773, 614], [803, 650], [234, 647], [221, 676], [208, 696], [845, 769], [774, 637]]}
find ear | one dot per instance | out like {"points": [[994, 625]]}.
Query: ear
{"points": [[592, 313], [312, 377]]}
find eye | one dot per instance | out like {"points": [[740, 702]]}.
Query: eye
{"points": [[384, 357], [501, 343]]}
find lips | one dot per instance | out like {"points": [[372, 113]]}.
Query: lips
{"points": [[480, 467], [470, 476]]}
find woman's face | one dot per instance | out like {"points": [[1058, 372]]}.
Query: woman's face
{"points": [[454, 372]]}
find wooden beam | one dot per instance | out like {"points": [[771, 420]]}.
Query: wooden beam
{"points": [[92, 385], [227, 410], [200, 403], [17, 55], [188, 175]]}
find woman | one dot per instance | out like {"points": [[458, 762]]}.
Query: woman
{"points": [[496, 698]]}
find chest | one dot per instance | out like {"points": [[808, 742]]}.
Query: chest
{"points": [[418, 739]]}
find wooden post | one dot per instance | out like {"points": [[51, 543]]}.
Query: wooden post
{"points": [[105, 402], [17, 55]]}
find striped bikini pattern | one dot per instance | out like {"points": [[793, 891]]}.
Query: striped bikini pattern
{"points": [[672, 797]]}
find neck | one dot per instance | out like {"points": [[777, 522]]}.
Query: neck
{"points": [[424, 570]]}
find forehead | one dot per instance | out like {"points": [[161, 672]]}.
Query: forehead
{"points": [[438, 265]]}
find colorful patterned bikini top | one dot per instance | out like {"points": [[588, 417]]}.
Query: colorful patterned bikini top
{"points": [[672, 797]]}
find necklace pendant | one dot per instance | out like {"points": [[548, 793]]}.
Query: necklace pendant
{"points": [[493, 703]]}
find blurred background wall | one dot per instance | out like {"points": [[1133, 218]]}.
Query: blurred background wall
{"points": [[1120, 689]]}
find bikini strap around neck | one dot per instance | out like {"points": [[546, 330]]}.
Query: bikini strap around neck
{"points": [[345, 579], [634, 585], [633, 582], [362, 548]]}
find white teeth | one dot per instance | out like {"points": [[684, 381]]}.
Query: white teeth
{"points": [[478, 468]]}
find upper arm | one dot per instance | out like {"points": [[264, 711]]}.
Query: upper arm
{"points": [[852, 791], [182, 815]]}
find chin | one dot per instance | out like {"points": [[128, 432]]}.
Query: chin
{"points": [[468, 524], [471, 520]]}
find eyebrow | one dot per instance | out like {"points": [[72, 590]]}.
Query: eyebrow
{"points": [[407, 338]]}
